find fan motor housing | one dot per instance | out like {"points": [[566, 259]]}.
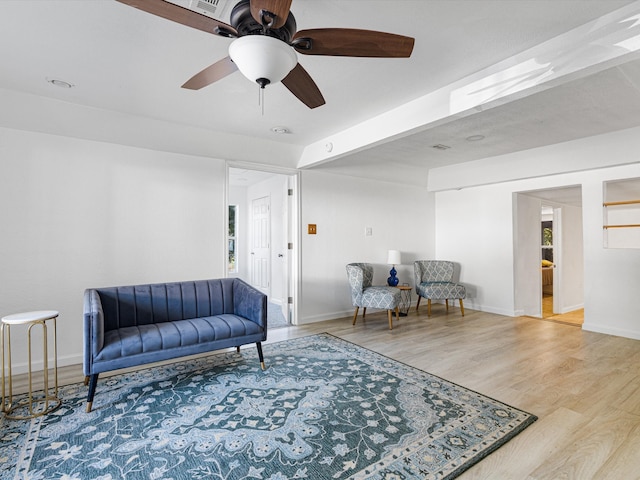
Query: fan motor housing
{"points": [[244, 23]]}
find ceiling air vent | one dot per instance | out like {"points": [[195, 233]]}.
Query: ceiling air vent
{"points": [[211, 8]]}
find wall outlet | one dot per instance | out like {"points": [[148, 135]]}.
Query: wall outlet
{"points": [[368, 231], [311, 229]]}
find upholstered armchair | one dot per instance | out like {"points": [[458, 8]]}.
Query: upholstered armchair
{"points": [[365, 295], [434, 281]]}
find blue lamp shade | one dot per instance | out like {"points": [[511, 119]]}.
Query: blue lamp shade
{"points": [[393, 259]]}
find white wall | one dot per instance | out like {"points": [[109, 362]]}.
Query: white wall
{"points": [[474, 228], [78, 214], [527, 255], [401, 218], [571, 273], [610, 275]]}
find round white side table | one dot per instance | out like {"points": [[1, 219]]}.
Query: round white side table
{"points": [[47, 401]]}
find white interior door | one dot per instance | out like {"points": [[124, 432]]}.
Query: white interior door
{"points": [[260, 244]]}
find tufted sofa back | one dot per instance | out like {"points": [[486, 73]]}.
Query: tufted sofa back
{"points": [[165, 302]]}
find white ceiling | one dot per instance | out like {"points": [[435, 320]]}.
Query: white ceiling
{"points": [[127, 67]]}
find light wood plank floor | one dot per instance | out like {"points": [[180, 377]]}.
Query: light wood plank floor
{"points": [[584, 387], [575, 317]]}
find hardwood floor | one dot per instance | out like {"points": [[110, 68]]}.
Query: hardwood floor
{"points": [[575, 317], [583, 386]]}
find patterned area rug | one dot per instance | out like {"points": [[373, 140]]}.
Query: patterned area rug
{"points": [[324, 409], [275, 318]]}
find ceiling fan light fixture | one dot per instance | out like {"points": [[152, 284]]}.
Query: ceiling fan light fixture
{"points": [[262, 59]]}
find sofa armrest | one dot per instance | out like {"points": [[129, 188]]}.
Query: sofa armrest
{"points": [[250, 303], [93, 328]]}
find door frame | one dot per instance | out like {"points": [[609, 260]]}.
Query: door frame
{"points": [[556, 228], [292, 269], [525, 227]]}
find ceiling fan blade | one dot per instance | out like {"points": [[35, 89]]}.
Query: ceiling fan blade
{"points": [[350, 42], [300, 83], [211, 74], [280, 8], [180, 15]]}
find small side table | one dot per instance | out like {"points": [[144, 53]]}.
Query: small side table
{"points": [[48, 401], [405, 302]]}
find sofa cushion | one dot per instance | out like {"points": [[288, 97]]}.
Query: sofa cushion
{"points": [[140, 339]]}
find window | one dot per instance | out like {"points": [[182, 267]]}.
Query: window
{"points": [[233, 246]]}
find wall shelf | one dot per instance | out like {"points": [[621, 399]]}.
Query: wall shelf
{"points": [[618, 204], [624, 202], [631, 225], [621, 215]]}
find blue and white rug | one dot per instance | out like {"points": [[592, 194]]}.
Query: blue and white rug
{"points": [[275, 317], [324, 409]]}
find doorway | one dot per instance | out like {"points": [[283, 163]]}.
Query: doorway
{"points": [[548, 263], [264, 208]]}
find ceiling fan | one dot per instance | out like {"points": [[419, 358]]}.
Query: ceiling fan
{"points": [[266, 42]]}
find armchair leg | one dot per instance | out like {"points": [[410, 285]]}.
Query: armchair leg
{"points": [[364, 312], [418, 303], [390, 322], [446, 302], [397, 314], [428, 307], [355, 316], [461, 307]]}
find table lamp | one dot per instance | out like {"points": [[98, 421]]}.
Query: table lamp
{"points": [[393, 259]]}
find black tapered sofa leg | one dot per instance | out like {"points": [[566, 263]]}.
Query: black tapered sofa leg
{"points": [[93, 383], [260, 356]]}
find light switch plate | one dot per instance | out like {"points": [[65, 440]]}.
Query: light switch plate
{"points": [[311, 229]]}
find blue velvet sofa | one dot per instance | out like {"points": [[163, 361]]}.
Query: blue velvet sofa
{"points": [[134, 325]]}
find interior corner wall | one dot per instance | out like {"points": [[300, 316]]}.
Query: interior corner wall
{"points": [[342, 207], [78, 214], [474, 226]]}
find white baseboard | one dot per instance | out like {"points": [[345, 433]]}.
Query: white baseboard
{"points": [[325, 316], [37, 366], [618, 332], [572, 308]]}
